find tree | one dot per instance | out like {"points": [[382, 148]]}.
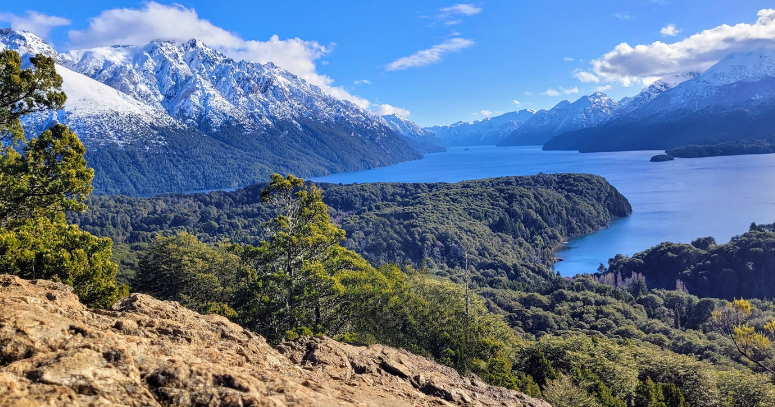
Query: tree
{"points": [[589, 381], [648, 394], [183, 269], [51, 249], [562, 392], [672, 395], [538, 366], [734, 322], [40, 179], [295, 280], [50, 174]]}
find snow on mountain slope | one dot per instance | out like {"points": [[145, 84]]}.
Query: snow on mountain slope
{"points": [[25, 43], [650, 92], [101, 115], [734, 99], [587, 111], [409, 128], [488, 131], [209, 90], [170, 117]]}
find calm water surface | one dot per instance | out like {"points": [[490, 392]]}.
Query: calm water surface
{"points": [[672, 201]]}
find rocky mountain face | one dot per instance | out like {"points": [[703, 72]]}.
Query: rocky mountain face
{"points": [[648, 94], [734, 99], [170, 117], [421, 139], [486, 132], [587, 111], [145, 352]]}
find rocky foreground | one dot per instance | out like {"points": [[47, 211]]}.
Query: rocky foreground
{"points": [[145, 352]]}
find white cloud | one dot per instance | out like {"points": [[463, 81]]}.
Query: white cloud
{"points": [[586, 77], [516, 102], [603, 88], [551, 92], [154, 21], [628, 65], [570, 91], [529, 93], [386, 109], [566, 59], [622, 16], [37, 23], [362, 82], [430, 55], [451, 15], [485, 112], [669, 31]]}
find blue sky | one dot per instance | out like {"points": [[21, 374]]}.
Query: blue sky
{"points": [[436, 62]]}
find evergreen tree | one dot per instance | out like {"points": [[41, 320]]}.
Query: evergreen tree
{"points": [[40, 179], [672, 395], [295, 283], [538, 366], [648, 394]]}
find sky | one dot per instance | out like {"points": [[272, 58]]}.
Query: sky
{"points": [[433, 62]]}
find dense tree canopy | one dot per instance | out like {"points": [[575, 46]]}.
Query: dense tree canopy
{"points": [[744, 267]]}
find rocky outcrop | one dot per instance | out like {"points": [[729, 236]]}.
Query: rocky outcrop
{"points": [[145, 352]]}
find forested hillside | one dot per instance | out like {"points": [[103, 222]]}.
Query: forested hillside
{"points": [[592, 340], [742, 268], [508, 227]]}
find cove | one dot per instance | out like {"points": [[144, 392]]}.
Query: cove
{"points": [[674, 201]]}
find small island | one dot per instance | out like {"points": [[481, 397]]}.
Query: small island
{"points": [[661, 157]]}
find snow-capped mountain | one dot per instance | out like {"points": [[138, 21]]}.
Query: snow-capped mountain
{"points": [[650, 92], [100, 114], [489, 131], [204, 88], [409, 128], [587, 111], [420, 139], [173, 117], [734, 99]]}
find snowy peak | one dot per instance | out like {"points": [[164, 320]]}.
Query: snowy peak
{"points": [[101, 115], [25, 43], [207, 89], [655, 89], [587, 111], [408, 128], [171, 117], [733, 99], [740, 67], [488, 131]]}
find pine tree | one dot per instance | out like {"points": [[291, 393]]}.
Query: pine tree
{"points": [[40, 179], [648, 394]]}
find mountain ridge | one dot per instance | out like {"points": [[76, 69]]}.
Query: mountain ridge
{"points": [[488, 131], [734, 99], [207, 121]]}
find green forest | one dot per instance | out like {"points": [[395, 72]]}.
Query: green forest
{"points": [[734, 147], [461, 273]]}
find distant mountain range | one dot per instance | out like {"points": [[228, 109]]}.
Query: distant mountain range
{"points": [[421, 139], [489, 131], [587, 111], [732, 100], [168, 117]]}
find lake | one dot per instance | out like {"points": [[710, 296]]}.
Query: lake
{"points": [[674, 201]]}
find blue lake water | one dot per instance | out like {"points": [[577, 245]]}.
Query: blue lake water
{"points": [[674, 201]]}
